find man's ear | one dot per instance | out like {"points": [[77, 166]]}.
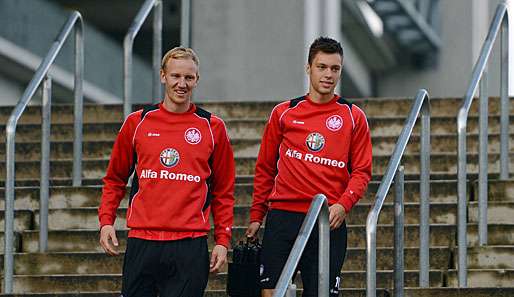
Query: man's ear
{"points": [[308, 68], [163, 76]]}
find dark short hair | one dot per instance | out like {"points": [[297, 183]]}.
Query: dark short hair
{"points": [[325, 45]]}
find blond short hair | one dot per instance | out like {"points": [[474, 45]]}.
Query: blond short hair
{"points": [[180, 53]]}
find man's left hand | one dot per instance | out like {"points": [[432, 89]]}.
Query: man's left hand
{"points": [[218, 258], [336, 216]]}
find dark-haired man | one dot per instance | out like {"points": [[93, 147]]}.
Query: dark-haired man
{"points": [[184, 169], [317, 143]]}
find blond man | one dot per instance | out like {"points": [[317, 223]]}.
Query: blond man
{"points": [[183, 169]]}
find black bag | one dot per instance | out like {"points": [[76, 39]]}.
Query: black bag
{"points": [[244, 271]]}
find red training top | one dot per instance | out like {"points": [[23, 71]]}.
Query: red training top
{"points": [[310, 148], [184, 168]]}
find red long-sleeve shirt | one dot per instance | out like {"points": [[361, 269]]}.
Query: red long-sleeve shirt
{"points": [[309, 148], [184, 168]]}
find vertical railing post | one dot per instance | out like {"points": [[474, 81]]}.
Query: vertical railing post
{"points": [[462, 236], [424, 189], [78, 104], [185, 23], [46, 119], [371, 255], [398, 233], [482, 160], [10, 132], [157, 50], [504, 99], [323, 252], [127, 77]]}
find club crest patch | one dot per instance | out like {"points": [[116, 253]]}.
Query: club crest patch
{"points": [[169, 157], [315, 141], [334, 123], [193, 136]]}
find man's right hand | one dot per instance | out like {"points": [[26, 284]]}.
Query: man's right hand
{"points": [[107, 234], [251, 232]]}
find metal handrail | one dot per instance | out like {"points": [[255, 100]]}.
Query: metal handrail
{"points": [[185, 23], [128, 45], [74, 21], [479, 76], [421, 104], [318, 211]]}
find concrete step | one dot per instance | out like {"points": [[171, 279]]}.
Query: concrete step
{"points": [[393, 125], [252, 128], [440, 213], [497, 212], [241, 178], [16, 242], [100, 263], [87, 218], [483, 278], [412, 292], [208, 293], [66, 181], [438, 106], [490, 257], [440, 163], [23, 220], [93, 149], [96, 131], [371, 106], [89, 196], [63, 113], [409, 292], [63, 149], [497, 190], [86, 240], [440, 235], [112, 282], [459, 292], [440, 143], [95, 168]]}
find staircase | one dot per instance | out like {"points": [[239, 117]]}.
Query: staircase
{"points": [[76, 265]]}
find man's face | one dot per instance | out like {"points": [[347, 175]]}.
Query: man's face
{"points": [[324, 72], [180, 77]]}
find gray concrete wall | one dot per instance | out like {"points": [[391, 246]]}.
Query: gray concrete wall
{"points": [[249, 50], [33, 25], [11, 91], [463, 29]]}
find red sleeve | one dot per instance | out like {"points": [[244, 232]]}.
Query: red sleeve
{"points": [[360, 161], [222, 183], [266, 166], [118, 171]]}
